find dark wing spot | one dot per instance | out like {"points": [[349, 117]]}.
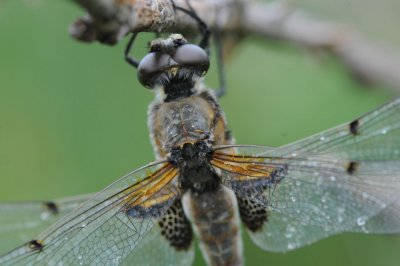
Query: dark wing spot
{"points": [[353, 126], [175, 227], [34, 245], [352, 167], [252, 214], [278, 174], [51, 207], [138, 211]]}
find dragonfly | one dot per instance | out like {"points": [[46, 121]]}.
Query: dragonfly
{"points": [[203, 185]]}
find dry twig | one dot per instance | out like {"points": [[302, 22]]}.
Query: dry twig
{"points": [[108, 21]]}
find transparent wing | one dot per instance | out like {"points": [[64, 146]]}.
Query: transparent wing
{"points": [[344, 179], [373, 137], [154, 250], [109, 226], [21, 221]]}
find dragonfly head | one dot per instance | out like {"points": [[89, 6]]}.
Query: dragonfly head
{"points": [[173, 63]]}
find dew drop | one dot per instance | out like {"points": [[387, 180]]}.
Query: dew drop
{"points": [[197, 185], [361, 221], [80, 259], [341, 210], [288, 235], [322, 138], [332, 178], [44, 216], [290, 246], [293, 199], [118, 259]]}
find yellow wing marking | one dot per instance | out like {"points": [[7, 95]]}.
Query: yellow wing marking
{"points": [[144, 193], [244, 167]]}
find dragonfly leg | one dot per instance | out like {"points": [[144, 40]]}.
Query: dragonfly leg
{"points": [[128, 58]]}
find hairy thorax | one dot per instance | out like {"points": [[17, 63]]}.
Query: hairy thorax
{"points": [[186, 120]]}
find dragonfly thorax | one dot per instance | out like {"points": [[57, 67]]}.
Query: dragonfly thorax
{"points": [[193, 161]]}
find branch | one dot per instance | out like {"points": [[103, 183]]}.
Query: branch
{"points": [[370, 62], [108, 21]]}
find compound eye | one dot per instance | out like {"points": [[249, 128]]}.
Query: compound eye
{"points": [[151, 65], [191, 55]]}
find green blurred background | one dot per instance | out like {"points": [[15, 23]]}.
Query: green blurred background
{"points": [[73, 116]]}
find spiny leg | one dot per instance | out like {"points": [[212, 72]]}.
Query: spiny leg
{"points": [[128, 58]]}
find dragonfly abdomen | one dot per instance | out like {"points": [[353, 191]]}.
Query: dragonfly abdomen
{"points": [[215, 220]]}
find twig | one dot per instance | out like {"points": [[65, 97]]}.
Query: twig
{"points": [[108, 21]]}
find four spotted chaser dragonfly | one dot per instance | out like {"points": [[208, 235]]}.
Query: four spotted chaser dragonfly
{"points": [[346, 179]]}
